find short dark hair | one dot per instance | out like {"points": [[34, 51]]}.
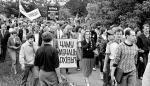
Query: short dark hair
{"points": [[30, 35], [127, 32], [77, 28], [146, 24], [102, 30], [47, 36], [119, 30]]}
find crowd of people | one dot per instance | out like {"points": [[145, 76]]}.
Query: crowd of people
{"points": [[120, 53]]}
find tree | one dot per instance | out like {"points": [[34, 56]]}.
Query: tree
{"points": [[77, 7], [64, 13]]}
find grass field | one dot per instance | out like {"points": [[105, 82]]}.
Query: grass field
{"points": [[7, 78]]}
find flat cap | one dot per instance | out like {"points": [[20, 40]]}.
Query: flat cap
{"points": [[110, 32]]}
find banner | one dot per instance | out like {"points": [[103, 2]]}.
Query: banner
{"points": [[34, 14], [67, 53], [52, 12]]}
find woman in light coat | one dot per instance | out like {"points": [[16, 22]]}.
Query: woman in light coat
{"points": [[13, 44]]}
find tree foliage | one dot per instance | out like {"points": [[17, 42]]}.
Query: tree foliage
{"points": [[64, 13], [128, 13], [77, 7], [124, 12]]}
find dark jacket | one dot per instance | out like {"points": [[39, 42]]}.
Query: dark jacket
{"points": [[88, 49], [4, 38], [46, 58], [143, 43], [40, 38], [21, 33], [94, 35]]}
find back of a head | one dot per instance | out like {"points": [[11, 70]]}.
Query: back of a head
{"points": [[30, 35], [47, 37]]}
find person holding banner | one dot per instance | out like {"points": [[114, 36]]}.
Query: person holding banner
{"points": [[88, 46], [67, 35]]}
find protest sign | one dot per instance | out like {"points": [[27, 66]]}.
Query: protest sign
{"points": [[67, 53], [34, 14], [52, 12]]}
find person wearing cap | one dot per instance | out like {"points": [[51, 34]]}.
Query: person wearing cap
{"points": [[106, 67], [26, 59], [47, 61], [101, 46], [13, 45]]}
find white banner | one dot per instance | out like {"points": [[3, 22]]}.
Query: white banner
{"points": [[67, 53], [34, 14]]}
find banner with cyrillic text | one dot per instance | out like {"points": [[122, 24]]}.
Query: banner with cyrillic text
{"points": [[34, 14], [67, 53]]}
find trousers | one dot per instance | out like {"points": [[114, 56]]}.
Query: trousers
{"points": [[28, 69], [48, 78], [129, 79]]}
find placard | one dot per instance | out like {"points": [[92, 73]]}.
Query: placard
{"points": [[52, 12], [67, 53]]}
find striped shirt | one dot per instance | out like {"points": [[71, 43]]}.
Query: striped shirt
{"points": [[125, 57]]}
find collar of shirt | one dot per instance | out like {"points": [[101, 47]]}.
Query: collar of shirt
{"points": [[47, 44], [128, 44], [27, 43]]}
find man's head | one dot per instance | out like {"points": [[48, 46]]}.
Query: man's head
{"points": [[118, 33], [110, 35], [130, 35], [47, 37], [146, 28], [30, 38]]}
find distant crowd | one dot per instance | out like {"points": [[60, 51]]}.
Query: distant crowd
{"points": [[121, 53]]}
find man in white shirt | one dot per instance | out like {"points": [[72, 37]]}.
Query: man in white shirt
{"points": [[26, 59], [111, 50]]}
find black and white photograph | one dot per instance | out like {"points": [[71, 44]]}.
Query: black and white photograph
{"points": [[74, 42]]}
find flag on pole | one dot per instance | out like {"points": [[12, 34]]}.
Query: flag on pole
{"points": [[34, 14]]}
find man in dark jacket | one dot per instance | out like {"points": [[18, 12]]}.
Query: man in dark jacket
{"points": [[47, 61], [22, 33], [143, 43], [4, 35]]}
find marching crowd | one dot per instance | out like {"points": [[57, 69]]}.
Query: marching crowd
{"points": [[120, 53]]}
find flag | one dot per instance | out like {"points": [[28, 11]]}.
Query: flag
{"points": [[21, 9], [34, 14]]}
